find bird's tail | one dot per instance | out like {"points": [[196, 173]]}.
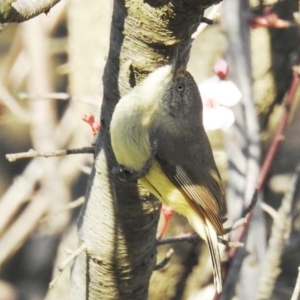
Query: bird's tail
{"points": [[207, 232], [212, 243]]}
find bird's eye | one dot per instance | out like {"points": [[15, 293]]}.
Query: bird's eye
{"points": [[180, 87]]}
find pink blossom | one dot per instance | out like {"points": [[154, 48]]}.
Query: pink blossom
{"points": [[218, 95]]}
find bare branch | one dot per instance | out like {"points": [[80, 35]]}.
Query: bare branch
{"points": [[212, 15], [296, 292], [59, 96], [189, 237], [250, 207], [19, 193], [10, 102], [86, 169], [23, 10], [69, 206], [230, 244], [272, 261], [279, 134], [237, 224], [269, 210], [17, 233], [268, 160], [165, 261], [32, 153], [193, 238], [65, 263]]}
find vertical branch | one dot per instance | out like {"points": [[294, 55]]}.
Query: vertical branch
{"points": [[118, 223], [266, 165], [117, 227], [243, 149]]}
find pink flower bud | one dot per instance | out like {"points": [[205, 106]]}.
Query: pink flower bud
{"points": [[221, 68]]}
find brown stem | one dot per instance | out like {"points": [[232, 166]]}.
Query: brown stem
{"points": [[278, 138]]}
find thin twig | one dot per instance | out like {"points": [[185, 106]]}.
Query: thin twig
{"points": [[211, 16], [269, 158], [32, 153], [269, 210], [190, 237], [65, 263], [230, 244], [278, 138], [35, 97], [194, 237], [244, 220], [250, 207], [165, 261], [59, 96], [86, 169], [20, 192], [296, 292], [68, 207], [271, 268], [10, 102], [23, 226], [237, 224], [279, 134]]}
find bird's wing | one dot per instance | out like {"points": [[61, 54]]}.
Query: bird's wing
{"points": [[204, 193]]}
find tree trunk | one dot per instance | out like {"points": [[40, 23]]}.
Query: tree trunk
{"points": [[118, 221]]}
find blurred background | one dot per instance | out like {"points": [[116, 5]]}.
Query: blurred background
{"points": [[51, 75], [51, 53]]}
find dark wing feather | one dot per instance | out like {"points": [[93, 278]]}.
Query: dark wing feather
{"points": [[205, 196], [215, 256]]}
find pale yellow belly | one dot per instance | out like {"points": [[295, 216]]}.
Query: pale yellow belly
{"points": [[157, 183]]}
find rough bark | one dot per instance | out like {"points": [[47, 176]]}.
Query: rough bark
{"points": [[118, 223], [23, 10]]}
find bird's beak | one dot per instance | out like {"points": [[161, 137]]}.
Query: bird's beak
{"points": [[180, 59]]}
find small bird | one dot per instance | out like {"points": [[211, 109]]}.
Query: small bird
{"points": [[158, 138]]}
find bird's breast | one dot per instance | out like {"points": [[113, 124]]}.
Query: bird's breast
{"points": [[130, 138]]}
